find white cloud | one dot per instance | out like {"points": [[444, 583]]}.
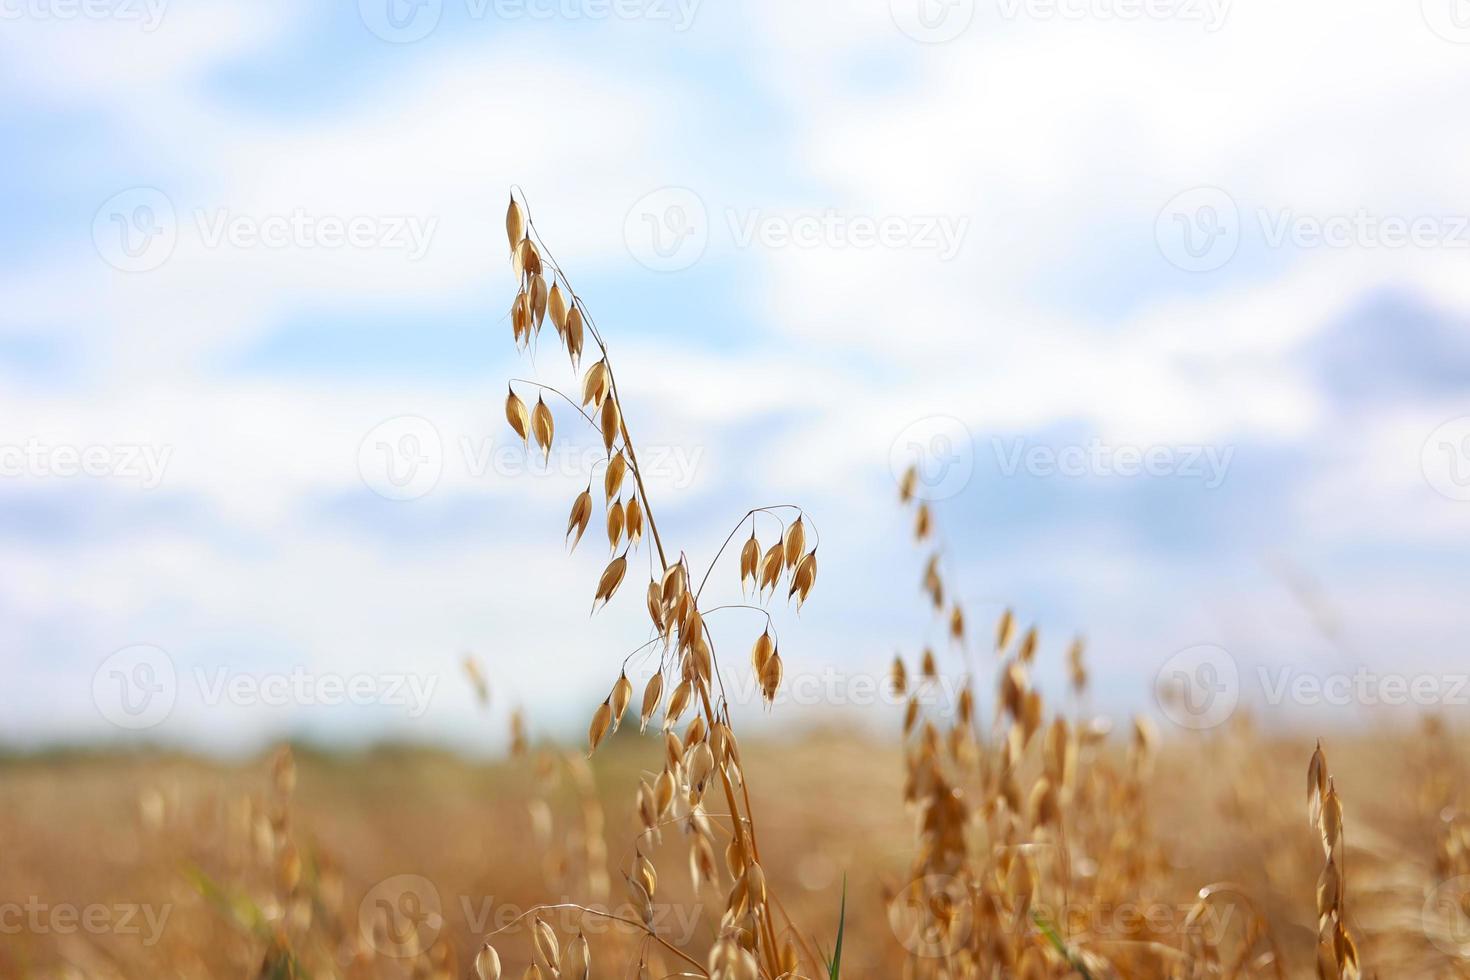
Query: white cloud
{"points": [[1057, 142]]}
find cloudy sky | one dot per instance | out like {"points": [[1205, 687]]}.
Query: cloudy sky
{"points": [[1168, 298]]}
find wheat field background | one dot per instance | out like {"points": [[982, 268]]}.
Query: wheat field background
{"points": [[126, 830], [999, 830], [651, 489]]}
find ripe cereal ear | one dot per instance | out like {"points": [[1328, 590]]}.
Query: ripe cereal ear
{"points": [[543, 426], [580, 515], [487, 961], [597, 730], [515, 227], [612, 577], [707, 759], [517, 416]]}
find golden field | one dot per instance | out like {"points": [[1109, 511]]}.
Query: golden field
{"points": [[115, 832], [981, 831]]}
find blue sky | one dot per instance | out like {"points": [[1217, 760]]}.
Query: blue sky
{"points": [[260, 243]]}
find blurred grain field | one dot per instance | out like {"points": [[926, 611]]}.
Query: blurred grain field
{"points": [[978, 834], [144, 865]]}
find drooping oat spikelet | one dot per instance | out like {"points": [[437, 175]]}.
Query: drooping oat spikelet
{"points": [[577, 962], [622, 693], [597, 730], [803, 577], [543, 426], [581, 514], [612, 577], [487, 963], [1337, 953], [750, 556], [516, 414], [706, 759]]}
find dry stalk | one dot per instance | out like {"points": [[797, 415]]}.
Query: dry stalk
{"points": [[687, 673]]}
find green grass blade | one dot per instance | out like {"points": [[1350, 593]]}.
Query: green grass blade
{"points": [[834, 965], [1050, 932]]}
